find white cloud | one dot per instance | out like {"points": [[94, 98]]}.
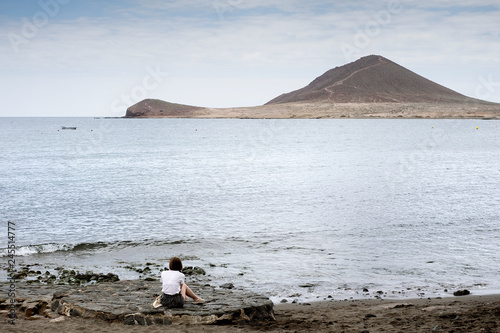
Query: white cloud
{"points": [[295, 41]]}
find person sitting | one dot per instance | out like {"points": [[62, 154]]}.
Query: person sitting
{"points": [[175, 291]]}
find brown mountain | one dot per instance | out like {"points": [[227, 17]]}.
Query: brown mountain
{"points": [[371, 87], [372, 79]]}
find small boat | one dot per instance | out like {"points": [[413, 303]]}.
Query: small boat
{"points": [[65, 127]]}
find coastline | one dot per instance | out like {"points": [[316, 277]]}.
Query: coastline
{"points": [[324, 110], [473, 313]]}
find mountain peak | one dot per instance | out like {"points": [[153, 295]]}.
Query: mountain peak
{"points": [[371, 79]]}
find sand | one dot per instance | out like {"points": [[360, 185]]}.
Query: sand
{"points": [[359, 111], [454, 314], [327, 110]]}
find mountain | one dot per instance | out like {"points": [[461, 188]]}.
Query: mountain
{"points": [[371, 87], [372, 79], [159, 108]]}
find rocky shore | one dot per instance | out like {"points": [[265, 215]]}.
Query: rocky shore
{"points": [[130, 303], [468, 314], [71, 301]]}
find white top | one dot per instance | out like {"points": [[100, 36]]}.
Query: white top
{"points": [[171, 282]]}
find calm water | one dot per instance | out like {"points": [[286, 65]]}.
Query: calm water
{"points": [[403, 206]]}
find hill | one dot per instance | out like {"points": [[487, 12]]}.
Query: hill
{"points": [[371, 87], [159, 108], [372, 79]]}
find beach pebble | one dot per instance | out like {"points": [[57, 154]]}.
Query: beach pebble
{"points": [[306, 285], [463, 292], [35, 317], [58, 319]]}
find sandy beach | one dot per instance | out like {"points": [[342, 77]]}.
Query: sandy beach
{"points": [[454, 314]]}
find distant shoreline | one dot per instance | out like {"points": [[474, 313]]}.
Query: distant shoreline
{"points": [[339, 111]]}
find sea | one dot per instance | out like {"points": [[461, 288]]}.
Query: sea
{"points": [[296, 209]]}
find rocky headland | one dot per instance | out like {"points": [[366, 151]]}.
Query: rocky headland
{"points": [[371, 87]]}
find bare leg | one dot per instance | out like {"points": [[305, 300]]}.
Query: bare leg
{"points": [[186, 291]]}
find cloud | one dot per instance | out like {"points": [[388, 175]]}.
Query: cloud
{"points": [[254, 41]]}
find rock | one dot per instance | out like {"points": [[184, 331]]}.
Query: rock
{"points": [[399, 306], [370, 315], [193, 270], [60, 294], [19, 276], [30, 309], [34, 307], [48, 313], [306, 285], [57, 320], [130, 302], [227, 286], [284, 300], [365, 290], [129, 320], [139, 319], [32, 272], [463, 292], [35, 317]]}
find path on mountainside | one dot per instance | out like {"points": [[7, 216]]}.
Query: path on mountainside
{"points": [[338, 83]]}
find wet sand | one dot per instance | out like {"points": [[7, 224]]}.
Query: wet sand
{"points": [[453, 314]]}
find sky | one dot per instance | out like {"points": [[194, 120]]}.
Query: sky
{"points": [[79, 58]]}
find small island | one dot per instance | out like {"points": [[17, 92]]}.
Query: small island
{"points": [[371, 87]]}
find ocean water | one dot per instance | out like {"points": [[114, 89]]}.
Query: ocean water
{"points": [[294, 209]]}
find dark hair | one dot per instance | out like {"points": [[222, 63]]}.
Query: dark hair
{"points": [[175, 264]]}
